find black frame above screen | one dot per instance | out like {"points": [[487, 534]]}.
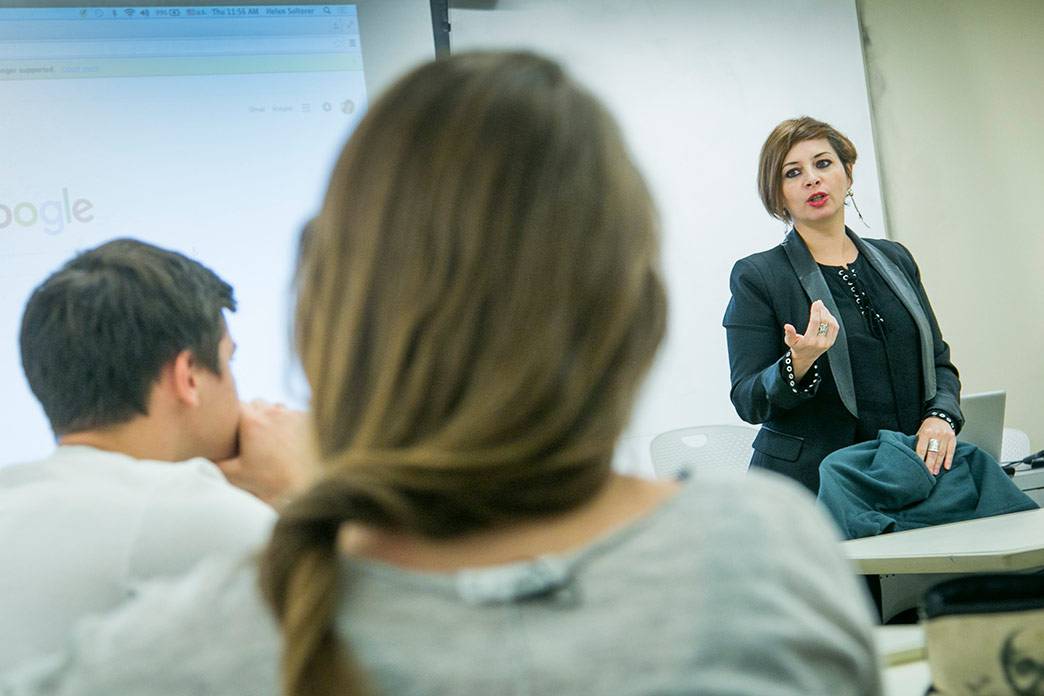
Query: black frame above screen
{"points": [[440, 27]]}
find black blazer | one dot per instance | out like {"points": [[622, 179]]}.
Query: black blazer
{"points": [[776, 287]]}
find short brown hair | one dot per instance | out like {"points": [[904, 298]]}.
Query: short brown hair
{"points": [[778, 144]]}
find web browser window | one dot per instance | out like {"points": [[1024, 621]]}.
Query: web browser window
{"points": [[206, 129]]}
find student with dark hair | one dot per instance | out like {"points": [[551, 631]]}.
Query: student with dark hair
{"points": [[126, 349], [98, 334], [478, 302]]}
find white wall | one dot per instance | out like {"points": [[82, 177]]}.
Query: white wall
{"points": [[697, 86], [958, 94]]}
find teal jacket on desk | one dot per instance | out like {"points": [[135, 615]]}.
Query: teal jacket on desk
{"points": [[882, 486]]}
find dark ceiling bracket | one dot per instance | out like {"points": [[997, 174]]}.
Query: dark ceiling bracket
{"points": [[440, 27], [440, 24]]}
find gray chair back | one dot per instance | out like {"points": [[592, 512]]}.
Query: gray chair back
{"points": [[1015, 444], [723, 447]]}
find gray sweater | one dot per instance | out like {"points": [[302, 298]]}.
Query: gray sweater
{"points": [[734, 586]]}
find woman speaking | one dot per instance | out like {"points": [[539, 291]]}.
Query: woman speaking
{"points": [[831, 337]]}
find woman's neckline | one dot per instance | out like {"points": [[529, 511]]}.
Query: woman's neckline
{"points": [[568, 534], [832, 243], [844, 265]]}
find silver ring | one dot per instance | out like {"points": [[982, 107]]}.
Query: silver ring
{"points": [[933, 445], [824, 329]]}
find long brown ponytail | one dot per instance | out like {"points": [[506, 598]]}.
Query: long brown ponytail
{"points": [[478, 301]]}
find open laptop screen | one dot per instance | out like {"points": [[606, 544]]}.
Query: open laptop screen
{"points": [[984, 421]]}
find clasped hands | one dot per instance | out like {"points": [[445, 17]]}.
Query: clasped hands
{"points": [[276, 457]]}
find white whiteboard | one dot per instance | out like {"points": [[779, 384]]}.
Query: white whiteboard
{"points": [[697, 85]]}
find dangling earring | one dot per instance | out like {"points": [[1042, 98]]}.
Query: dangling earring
{"points": [[851, 196]]}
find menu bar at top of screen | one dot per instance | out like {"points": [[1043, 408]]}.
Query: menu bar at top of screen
{"points": [[77, 43], [177, 12]]}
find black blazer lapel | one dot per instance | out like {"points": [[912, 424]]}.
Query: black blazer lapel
{"points": [[815, 287], [904, 290]]}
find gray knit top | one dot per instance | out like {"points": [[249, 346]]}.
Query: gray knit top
{"points": [[733, 586]]}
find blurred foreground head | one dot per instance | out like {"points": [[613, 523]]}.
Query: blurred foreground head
{"points": [[478, 301]]}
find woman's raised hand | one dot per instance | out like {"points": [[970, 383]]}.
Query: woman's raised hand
{"points": [[806, 348]]}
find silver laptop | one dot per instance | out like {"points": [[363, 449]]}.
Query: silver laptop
{"points": [[984, 421]]}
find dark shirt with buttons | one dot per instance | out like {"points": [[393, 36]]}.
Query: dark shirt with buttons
{"points": [[884, 347]]}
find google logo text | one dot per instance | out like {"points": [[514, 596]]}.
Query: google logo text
{"points": [[52, 215]]}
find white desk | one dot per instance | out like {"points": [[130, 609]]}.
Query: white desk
{"points": [[910, 562], [899, 645], [910, 679], [1004, 543], [902, 654]]}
